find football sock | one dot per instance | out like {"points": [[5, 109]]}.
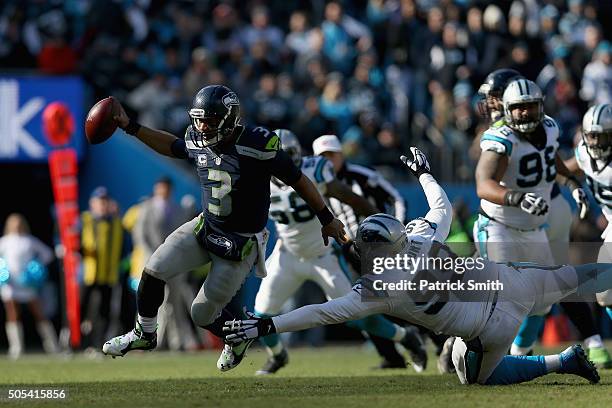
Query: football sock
{"points": [[272, 342], [517, 369], [386, 349], [376, 325], [527, 335], [276, 349], [216, 327], [593, 278], [400, 332], [581, 316], [150, 295], [148, 324], [593, 341]]}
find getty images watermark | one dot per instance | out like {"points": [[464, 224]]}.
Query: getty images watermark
{"points": [[428, 273], [432, 274]]}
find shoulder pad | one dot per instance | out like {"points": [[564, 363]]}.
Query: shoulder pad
{"points": [[258, 142], [318, 168], [498, 139], [549, 122]]}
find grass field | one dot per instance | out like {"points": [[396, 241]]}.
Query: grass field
{"points": [[329, 377]]}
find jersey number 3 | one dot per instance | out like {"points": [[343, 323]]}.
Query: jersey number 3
{"points": [[221, 201]]}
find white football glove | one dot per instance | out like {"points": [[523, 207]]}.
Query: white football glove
{"points": [[533, 204], [251, 328], [582, 201], [418, 164]]}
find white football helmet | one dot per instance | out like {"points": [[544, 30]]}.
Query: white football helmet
{"points": [[597, 131], [384, 229], [290, 144], [518, 92]]}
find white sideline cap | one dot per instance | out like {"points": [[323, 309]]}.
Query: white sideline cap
{"points": [[326, 143]]}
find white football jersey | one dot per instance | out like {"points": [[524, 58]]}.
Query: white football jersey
{"points": [[599, 179], [296, 223], [429, 308], [529, 169]]}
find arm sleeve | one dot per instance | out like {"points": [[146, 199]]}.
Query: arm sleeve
{"points": [[179, 149], [342, 309], [284, 169], [440, 210], [389, 194]]}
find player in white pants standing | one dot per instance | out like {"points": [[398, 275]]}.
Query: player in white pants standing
{"points": [[593, 157], [299, 255]]}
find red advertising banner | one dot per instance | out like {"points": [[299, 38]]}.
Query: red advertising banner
{"points": [[58, 126]]}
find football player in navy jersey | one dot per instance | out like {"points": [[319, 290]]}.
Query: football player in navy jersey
{"points": [[235, 164]]}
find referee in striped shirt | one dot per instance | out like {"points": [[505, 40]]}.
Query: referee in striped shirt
{"points": [[364, 181]]}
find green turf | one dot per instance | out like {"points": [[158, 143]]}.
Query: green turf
{"points": [[329, 377]]}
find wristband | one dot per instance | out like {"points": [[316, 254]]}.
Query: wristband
{"points": [[132, 128], [325, 216], [513, 198]]}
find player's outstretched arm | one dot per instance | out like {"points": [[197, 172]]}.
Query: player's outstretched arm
{"points": [[158, 140], [339, 310], [440, 209], [338, 189], [331, 226]]}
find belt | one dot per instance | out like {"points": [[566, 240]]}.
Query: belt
{"points": [[484, 214]]}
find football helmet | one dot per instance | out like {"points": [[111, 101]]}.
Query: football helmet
{"points": [[382, 228], [492, 90], [523, 92], [214, 114], [597, 131], [496, 82], [290, 144]]}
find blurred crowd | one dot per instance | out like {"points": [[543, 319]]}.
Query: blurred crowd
{"points": [[381, 74], [114, 248]]}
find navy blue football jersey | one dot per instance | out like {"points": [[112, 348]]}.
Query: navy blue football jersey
{"points": [[235, 179]]}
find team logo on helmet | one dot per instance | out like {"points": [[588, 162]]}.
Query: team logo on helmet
{"points": [[231, 99]]}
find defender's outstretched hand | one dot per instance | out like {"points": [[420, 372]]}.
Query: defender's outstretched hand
{"points": [[418, 164], [251, 328]]}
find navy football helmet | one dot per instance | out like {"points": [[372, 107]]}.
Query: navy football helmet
{"points": [[214, 114]]}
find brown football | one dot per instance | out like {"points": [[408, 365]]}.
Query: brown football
{"points": [[100, 124]]}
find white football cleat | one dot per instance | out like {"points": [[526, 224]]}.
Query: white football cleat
{"points": [[135, 339], [231, 356]]}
